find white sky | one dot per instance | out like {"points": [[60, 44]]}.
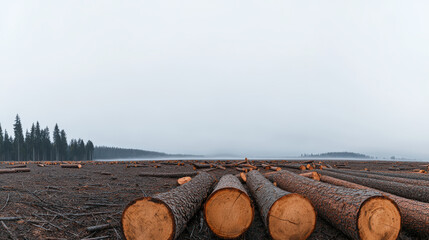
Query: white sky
{"points": [[265, 78]]}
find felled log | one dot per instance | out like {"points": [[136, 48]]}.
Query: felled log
{"points": [[71, 165], [14, 170], [385, 178], [243, 169], [165, 215], [415, 214], [220, 167], [228, 211], [312, 175], [183, 180], [295, 166], [40, 165], [275, 168], [247, 165], [405, 175], [286, 215], [167, 175], [420, 193], [202, 165], [265, 166], [17, 166], [360, 214], [136, 165]]}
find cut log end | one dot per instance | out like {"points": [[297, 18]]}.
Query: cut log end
{"points": [[148, 218], [291, 217], [379, 218], [229, 212]]}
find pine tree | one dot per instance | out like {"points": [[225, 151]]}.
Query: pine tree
{"points": [[38, 141], [7, 146], [46, 144], [89, 150], [19, 138], [63, 145], [57, 142], [1, 144]]}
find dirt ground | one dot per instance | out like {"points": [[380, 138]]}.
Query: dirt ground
{"points": [[60, 203]]}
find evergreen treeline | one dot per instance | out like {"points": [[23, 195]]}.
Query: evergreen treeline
{"points": [[36, 145], [337, 155], [115, 153]]}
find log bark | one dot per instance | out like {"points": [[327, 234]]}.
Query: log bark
{"points": [[165, 215], [312, 175], [17, 166], [415, 214], [14, 170], [71, 166], [202, 165], [168, 175], [417, 176], [381, 177], [295, 166], [228, 211], [286, 215], [360, 214], [419, 193]]}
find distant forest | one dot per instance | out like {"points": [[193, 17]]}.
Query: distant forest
{"points": [[337, 155], [36, 145], [115, 153]]}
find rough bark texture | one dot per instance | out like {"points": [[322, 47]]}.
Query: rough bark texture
{"points": [[338, 205], [415, 214], [381, 177], [168, 175], [231, 183], [296, 224], [420, 193], [183, 201], [418, 176]]}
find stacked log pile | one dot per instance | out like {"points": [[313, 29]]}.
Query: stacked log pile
{"points": [[360, 214]]}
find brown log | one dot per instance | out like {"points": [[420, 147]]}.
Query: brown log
{"points": [[360, 214], [165, 215], [228, 211], [14, 170], [286, 215], [381, 177], [168, 175], [265, 166], [247, 165], [312, 175], [295, 166], [71, 165], [243, 169], [275, 168], [183, 180], [415, 214], [220, 167], [17, 166], [419, 193], [417, 176]]}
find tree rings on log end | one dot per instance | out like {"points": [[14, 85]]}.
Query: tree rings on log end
{"points": [[148, 218], [379, 218], [291, 217], [228, 212]]}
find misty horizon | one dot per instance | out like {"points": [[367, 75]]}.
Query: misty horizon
{"points": [[209, 78]]}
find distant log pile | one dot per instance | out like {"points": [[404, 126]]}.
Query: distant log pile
{"points": [[228, 210], [360, 214], [286, 215], [165, 215]]}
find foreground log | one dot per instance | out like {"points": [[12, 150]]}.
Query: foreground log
{"points": [[286, 215], [71, 166], [381, 177], [415, 214], [360, 214], [164, 216], [419, 193], [14, 170], [228, 211], [168, 175]]}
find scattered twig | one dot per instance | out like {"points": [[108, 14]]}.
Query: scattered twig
{"points": [[11, 235], [7, 200]]}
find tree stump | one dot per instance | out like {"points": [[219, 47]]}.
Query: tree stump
{"points": [[228, 211], [164, 215], [286, 215]]}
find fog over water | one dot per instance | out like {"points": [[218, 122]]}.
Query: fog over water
{"points": [[262, 79]]}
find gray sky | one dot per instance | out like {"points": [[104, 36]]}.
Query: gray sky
{"points": [[266, 78]]}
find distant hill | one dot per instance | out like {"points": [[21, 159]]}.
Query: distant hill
{"points": [[337, 155], [102, 152]]}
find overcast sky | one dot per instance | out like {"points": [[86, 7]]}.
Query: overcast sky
{"points": [[250, 78]]}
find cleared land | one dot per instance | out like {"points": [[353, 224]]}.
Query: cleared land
{"points": [[54, 202]]}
